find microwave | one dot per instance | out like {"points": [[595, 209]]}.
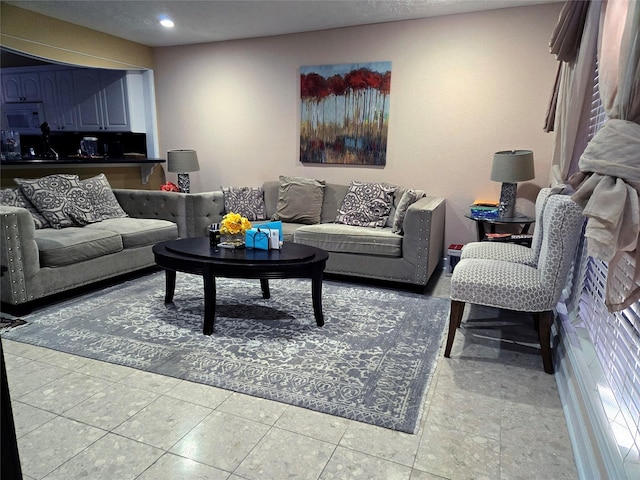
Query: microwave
{"points": [[24, 118]]}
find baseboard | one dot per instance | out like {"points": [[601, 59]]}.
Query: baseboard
{"points": [[595, 448]]}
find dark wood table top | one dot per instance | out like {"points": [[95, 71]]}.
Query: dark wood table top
{"points": [[200, 247]]}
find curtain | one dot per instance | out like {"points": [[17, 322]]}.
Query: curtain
{"points": [[609, 180], [565, 40], [565, 44], [619, 53], [572, 92]]}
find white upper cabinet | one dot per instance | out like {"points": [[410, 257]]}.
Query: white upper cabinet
{"points": [[77, 99], [115, 104], [58, 100], [101, 100], [21, 87]]}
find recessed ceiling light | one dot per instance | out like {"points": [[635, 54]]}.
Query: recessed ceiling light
{"points": [[166, 22]]}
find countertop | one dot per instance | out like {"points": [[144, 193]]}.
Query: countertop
{"points": [[81, 161]]}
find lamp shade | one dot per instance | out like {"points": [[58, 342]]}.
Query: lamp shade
{"points": [[512, 166], [182, 161]]}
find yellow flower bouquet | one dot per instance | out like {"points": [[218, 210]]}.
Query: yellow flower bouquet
{"points": [[234, 224]]}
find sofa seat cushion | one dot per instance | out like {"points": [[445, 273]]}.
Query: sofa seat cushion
{"points": [[335, 237], [138, 232], [66, 246]]}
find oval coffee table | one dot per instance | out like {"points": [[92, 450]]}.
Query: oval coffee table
{"points": [[195, 255]]}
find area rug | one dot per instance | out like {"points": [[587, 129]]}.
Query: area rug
{"points": [[372, 361]]}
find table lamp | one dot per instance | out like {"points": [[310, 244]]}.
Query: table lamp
{"points": [[511, 167], [182, 162]]}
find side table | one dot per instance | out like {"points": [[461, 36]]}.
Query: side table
{"points": [[519, 218]]}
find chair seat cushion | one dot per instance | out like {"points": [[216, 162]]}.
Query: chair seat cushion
{"points": [[138, 232], [335, 237], [500, 284], [508, 252]]}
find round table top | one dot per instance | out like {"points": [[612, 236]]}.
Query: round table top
{"points": [[200, 247]]}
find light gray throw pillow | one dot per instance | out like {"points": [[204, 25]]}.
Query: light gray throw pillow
{"points": [[299, 200], [409, 198]]}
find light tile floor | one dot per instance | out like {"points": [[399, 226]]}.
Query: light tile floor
{"points": [[491, 413]]}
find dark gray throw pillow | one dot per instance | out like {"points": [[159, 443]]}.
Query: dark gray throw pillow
{"points": [[366, 204], [105, 203], [247, 201], [300, 200], [60, 199], [13, 197]]}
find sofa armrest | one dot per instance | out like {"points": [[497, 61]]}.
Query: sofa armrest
{"points": [[19, 252], [159, 205], [204, 209], [423, 240]]}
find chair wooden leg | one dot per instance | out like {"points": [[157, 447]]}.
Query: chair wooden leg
{"points": [[455, 318], [544, 336]]}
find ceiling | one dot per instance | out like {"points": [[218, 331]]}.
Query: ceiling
{"points": [[203, 21]]}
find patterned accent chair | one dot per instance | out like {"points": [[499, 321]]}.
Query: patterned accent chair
{"points": [[520, 287], [512, 252]]}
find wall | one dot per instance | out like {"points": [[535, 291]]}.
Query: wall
{"points": [[53, 39], [463, 87]]}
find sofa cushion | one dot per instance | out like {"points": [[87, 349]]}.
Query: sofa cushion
{"points": [[59, 247], [247, 201], [137, 232], [100, 194], [60, 199], [13, 197], [366, 204], [299, 200], [335, 237]]}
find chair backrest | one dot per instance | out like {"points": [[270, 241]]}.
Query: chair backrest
{"points": [[561, 226], [536, 241]]}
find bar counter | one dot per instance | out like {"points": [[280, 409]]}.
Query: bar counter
{"points": [[68, 164]]}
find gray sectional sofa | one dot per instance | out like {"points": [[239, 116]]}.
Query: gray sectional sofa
{"points": [[38, 263]]}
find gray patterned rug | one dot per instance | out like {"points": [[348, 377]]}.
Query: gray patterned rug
{"points": [[371, 362]]}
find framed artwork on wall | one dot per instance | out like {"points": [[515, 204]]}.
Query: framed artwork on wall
{"points": [[345, 113]]}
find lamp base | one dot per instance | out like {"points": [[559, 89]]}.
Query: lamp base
{"points": [[184, 184], [507, 206]]}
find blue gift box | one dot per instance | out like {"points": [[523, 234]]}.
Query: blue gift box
{"points": [[257, 238], [272, 225]]}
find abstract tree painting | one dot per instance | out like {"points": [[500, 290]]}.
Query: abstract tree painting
{"points": [[345, 113]]}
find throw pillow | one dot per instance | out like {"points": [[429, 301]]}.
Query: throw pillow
{"points": [[60, 199], [247, 201], [104, 202], [366, 204], [13, 197], [299, 200], [409, 197]]}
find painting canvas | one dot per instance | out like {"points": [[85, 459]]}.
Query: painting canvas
{"points": [[345, 113]]}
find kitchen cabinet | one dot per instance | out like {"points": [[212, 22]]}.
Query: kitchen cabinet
{"points": [[58, 100], [21, 87], [101, 100]]}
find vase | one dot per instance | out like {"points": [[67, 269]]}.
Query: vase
{"points": [[236, 239]]}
